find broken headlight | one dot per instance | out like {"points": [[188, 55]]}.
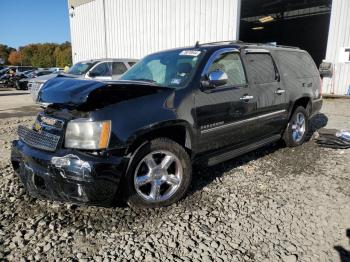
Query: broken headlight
{"points": [[86, 134]]}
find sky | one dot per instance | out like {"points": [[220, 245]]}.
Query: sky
{"points": [[33, 21]]}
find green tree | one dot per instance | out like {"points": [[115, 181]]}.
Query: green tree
{"points": [[27, 53], [63, 55], [44, 57], [41, 55]]}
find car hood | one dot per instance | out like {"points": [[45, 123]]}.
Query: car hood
{"points": [[68, 92], [44, 78]]}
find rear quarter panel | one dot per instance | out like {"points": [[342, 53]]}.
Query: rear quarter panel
{"points": [[299, 75]]}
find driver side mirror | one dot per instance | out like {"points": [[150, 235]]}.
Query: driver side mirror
{"points": [[214, 79]]}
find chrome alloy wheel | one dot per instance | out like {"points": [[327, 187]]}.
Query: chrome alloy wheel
{"points": [[298, 127], [158, 176]]}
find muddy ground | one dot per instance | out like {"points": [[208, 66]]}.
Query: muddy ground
{"points": [[274, 204]]}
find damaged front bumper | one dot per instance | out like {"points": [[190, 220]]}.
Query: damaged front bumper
{"points": [[68, 175]]}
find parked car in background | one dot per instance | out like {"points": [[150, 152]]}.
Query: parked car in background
{"points": [[3, 70], [21, 69], [99, 69], [23, 79], [10, 76], [39, 72], [138, 138], [54, 69], [7, 77]]}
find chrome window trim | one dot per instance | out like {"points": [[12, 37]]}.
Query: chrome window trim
{"points": [[215, 54], [243, 121]]}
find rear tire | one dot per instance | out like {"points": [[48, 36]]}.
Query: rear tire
{"points": [[159, 174], [297, 128]]}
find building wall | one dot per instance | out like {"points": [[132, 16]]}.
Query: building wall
{"points": [[87, 31], [339, 36], [135, 28]]}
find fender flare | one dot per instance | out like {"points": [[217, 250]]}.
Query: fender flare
{"points": [[148, 130]]}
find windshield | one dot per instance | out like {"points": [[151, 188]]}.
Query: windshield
{"points": [[80, 68], [169, 69]]}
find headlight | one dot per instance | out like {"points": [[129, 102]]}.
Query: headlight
{"points": [[86, 134]]}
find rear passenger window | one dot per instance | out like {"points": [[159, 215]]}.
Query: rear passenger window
{"points": [[231, 64], [119, 68], [297, 64], [261, 68]]}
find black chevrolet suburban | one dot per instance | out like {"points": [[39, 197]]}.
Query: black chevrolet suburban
{"points": [[136, 139]]}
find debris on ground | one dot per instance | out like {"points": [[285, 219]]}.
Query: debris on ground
{"points": [[273, 204], [333, 138]]}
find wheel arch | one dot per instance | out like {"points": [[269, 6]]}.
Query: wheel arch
{"points": [[178, 131], [304, 101]]}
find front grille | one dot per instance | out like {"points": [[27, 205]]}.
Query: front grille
{"points": [[41, 140]]}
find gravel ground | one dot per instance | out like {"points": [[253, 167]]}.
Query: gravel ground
{"points": [[274, 204]]}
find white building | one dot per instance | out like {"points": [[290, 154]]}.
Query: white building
{"points": [[135, 28], [338, 49]]}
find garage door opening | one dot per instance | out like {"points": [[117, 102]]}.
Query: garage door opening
{"points": [[301, 23]]}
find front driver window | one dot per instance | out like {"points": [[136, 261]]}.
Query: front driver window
{"points": [[231, 64], [103, 69]]}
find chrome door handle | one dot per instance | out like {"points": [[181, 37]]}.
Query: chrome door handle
{"points": [[246, 97], [280, 91]]}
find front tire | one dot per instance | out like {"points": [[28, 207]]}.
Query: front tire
{"points": [[159, 174], [297, 128]]}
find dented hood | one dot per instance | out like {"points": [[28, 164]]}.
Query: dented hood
{"points": [[74, 92]]}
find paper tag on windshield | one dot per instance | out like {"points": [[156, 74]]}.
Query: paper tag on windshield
{"points": [[190, 52]]}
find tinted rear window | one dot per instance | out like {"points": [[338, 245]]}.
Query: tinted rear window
{"points": [[119, 68], [261, 68], [296, 64]]}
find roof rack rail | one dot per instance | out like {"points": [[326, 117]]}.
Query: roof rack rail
{"points": [[272, 44], [224, 41], [246, 44], [276, 45], [288, 46]]}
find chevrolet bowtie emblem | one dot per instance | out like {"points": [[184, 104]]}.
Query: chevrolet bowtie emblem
{"points": [[48, 120]]}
